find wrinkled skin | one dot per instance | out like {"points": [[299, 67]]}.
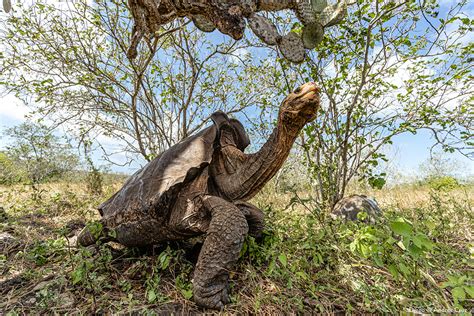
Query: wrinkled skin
{"points": [[210, 200]]}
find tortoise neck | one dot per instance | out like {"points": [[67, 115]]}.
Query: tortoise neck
{"points": [[261, 166]]}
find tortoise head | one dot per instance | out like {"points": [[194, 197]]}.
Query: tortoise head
{"points": [[300, 106], [242, 138], [236, 131]]}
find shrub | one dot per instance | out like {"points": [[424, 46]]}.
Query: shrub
{"points": [[10, 173], [35, 155], [440, 183]]}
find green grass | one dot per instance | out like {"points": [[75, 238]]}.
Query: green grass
{"points": [[418, 257]]}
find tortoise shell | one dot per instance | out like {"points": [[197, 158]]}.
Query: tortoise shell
{"points": [[154, 188]]}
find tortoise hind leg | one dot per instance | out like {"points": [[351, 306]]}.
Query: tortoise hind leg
{"points": [[254, 216], [224, 239]]}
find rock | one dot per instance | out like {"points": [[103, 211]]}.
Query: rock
{"points": [[41, 285], [7, 242], [73, 242], [348, 209], [67, 300]]}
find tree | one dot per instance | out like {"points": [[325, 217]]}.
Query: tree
{"points": [[37, 154], [391, 67], [72, 61]]}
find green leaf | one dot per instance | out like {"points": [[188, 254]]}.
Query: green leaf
{"points": [[112, 233], [422, 241], [77, 275], [393, 270], [187, 294], [151, 296], [458, 293], [283, 259], [404, 269], [415, 251], [378, 261], [377, 183], [164, 260], [401, 228], [302, 275], [469, 290]]}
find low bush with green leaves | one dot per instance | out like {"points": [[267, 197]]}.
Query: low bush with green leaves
{"points": [[442, 183]]}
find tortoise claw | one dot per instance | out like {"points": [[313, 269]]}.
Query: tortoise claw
{"points": [[216, 300]]}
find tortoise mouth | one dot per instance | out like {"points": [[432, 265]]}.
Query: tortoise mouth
{"points": [[310, 91]]}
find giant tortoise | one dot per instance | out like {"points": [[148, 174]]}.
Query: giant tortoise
{"points": [[200, 187]]}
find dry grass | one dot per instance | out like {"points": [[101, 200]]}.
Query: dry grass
{"points": [[304, 264]]}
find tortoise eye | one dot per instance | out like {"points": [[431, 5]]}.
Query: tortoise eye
{"points": [[297, 90]]}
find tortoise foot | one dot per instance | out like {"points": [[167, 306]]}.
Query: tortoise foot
{"points": [[214, 297]]}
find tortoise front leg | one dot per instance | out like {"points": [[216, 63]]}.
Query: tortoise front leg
{"points": [[224, 239]]}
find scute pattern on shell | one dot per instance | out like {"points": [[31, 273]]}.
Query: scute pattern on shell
{"points": [[151, 188], [349, 207]]}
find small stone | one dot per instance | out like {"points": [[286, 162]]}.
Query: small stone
{"points": [[66, 299], [41, 285], [73, 241], [7, 242]]}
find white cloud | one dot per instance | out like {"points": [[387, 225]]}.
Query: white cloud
{"points": [[239, 54], [12, 108]]}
